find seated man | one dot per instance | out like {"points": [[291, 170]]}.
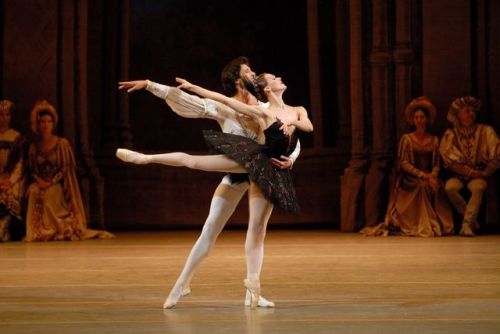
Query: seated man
{"points": [[472, 153], [11, 176]]}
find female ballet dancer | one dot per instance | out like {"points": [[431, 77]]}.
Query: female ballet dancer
{"points": [[243, 155], [235, 78]]}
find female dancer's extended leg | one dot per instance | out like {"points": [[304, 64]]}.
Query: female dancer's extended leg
{"points": [[260, 211], [208, 163]]}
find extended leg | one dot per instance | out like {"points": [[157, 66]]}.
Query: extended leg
{"points": [[208, 163], [224, 201]]}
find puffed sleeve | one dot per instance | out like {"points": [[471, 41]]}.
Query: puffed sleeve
{"points": [[190, 106]]}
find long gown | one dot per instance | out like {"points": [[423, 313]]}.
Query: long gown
{"points": [[12, 168], [56, 212], [415, 208], [276, 184]]}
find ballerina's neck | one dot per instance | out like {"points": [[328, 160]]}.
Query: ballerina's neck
{"points": [[276, 101]]}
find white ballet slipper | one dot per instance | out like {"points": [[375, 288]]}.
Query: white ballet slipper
{"points": [[186, 291], [131, 156], [253, 287], [173, 298], [263, 302]]}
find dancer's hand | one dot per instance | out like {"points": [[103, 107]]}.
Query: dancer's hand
{"points": [[287, 128], [184, 84], [130, 86], [476, 174], [283, 163], [433, 182]]}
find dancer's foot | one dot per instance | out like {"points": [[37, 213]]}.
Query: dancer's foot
{"points": [[173, 298], [186, 291], [466, 230], [253, 286], [263, 302], [132, 156]]}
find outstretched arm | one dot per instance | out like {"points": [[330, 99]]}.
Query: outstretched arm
{"points": [[131, 86], [183, 104], [242, 108], [157, 89]]}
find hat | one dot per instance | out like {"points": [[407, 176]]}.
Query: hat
{"points": [[420, 102], [6, 105], [41, 106], [462, 102]]}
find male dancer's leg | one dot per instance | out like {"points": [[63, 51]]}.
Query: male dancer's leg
{"points": [[225, 199], [260, 210]]}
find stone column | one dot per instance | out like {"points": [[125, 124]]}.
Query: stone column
{"points": [[380, 59], [72, 94], [314, 71], [404, 58], [116, 61], [352, 181]]}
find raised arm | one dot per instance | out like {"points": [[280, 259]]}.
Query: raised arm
{"points": [[242, 108], [183, 104], [303, 122]]}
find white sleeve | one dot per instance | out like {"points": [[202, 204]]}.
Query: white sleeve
{"points": [[157, 89], [190, 106], [295, 154]]}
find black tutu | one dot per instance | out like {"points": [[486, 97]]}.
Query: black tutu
{"points": [[276, 184]]}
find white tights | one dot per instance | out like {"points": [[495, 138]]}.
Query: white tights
{"points": [[260, 211], [223, 204], [209, 163]]}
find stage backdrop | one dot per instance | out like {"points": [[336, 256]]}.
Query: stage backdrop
{"points": [[353, 64]]}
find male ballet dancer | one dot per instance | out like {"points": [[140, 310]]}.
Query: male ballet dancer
{"points": [[229, 192]]}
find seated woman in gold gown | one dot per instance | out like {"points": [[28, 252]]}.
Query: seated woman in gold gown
{"points": [[418, 205], [55, 208]]}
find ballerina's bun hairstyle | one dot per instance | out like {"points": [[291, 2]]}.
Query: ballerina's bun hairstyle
{"points": [[257, 87]]}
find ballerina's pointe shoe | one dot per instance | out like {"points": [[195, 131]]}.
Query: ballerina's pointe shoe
{"points": [[186, 291], [131, 156], [173, 297], [253, 286], [263, 302]]}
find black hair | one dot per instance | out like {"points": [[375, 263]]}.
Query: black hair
{"points": [[230, 73], [424, 110], [256, 87], [44, 112]]}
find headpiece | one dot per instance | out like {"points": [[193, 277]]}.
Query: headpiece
{"points": [[421, 102], [42, 106], [460, 103]]}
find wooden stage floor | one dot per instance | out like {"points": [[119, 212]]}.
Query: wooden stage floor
{"points": [[321, 281]]}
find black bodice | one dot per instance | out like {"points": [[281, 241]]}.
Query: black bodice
{"points": [[277, 143]]}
